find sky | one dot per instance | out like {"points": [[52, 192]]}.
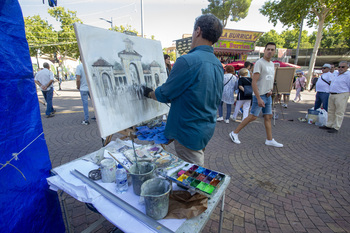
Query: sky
{"points": [[167, 20]]}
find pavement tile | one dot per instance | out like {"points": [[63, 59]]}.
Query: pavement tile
{"points": [[303, 186]]}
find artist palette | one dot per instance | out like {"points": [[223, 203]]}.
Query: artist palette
{"points": [[203, 180]]}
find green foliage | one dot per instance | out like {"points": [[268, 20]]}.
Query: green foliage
{"points": [[269, 36], [332, 38], [67, 45], [121, 28], [291, 37], [40, 35], [224, 9]]}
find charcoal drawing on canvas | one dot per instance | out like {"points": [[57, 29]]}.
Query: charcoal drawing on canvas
{"points": [[116, 66]]}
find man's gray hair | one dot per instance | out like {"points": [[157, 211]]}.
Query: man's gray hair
{"points": [[46, 65], [344, 62], [211, 27]]}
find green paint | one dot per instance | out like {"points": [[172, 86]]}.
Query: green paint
{"points": [[209, 189], [202, 186], [195, 183]]}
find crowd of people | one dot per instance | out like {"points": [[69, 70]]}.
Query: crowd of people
{"points": [[198, 87]]}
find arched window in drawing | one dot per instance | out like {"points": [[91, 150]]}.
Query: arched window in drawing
{"points": [[156, 76], [107, 85], [135, 77]]}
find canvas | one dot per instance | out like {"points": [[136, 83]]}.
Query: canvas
{"points": [[284, 80], [116, 67]]}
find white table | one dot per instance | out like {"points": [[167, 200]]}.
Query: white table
{"points": [[65, 181]]}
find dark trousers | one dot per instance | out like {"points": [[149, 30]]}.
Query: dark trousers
{"points": [[321, 98]]}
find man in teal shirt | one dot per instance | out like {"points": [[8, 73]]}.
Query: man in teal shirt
{"points": [[194, 89]]}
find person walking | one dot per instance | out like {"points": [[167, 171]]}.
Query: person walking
{"points": [[228, 93], [194, 89], [299, 85], [338, 99], [83, 87], [244, 97], [44, 79], [262, 84], [322, 87]]}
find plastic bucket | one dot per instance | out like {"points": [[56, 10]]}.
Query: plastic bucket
{"points": [[145, 172], [156, 194]]}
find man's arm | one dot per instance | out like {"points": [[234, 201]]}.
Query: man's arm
{"points": [[43, 87], [78, 82], [255, 79]]}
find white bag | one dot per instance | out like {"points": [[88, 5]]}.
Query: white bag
{"points": [[322, 117]]}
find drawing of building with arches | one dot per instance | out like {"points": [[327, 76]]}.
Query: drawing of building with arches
{"points": [[128, 76]]}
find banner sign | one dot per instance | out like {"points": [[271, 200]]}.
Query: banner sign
{"points": [[230, 34], [234, 45]]}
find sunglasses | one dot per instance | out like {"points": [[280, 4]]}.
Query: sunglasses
{"points": [[324, 68], [342, 67]]}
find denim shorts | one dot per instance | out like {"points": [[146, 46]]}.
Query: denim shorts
{"points": [[267, 110]]}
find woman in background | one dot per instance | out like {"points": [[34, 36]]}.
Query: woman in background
{"points": [[243, 99], [299, 85], [228, 93], [167, 63]]}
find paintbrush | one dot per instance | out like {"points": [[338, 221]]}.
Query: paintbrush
{"points": [[127, 169], [133, 147]]}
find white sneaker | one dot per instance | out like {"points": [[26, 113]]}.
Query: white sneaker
{"points": [[234, 119], [227, 121], [234, 138], [273, 143], [220, 119]]}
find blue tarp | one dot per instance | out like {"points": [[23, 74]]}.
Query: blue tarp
{"points": [[26, 205]]}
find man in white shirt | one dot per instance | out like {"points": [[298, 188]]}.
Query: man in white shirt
{"points": [[338, 99], [322, 87], [262, 84], [44, 79], [83, 87]]}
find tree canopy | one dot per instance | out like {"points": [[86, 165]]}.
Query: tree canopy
{"points": [[40, 35], [318, 13], [224, 9], [67, 45]]}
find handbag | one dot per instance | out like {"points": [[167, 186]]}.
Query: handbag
{"points": [[301, 87], [248, 90]]}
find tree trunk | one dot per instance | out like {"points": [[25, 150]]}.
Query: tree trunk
{"points": [[37, 58], [315, 50]]}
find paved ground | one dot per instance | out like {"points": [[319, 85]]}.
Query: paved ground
{"points": [[302, 187]]}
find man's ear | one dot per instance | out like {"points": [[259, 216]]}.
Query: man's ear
{"points": [[198, 31]]}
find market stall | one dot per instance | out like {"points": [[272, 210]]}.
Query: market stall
{"points": [[234, 45]]}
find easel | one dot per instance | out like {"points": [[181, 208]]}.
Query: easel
{"points": [[126, 133], [282, 84]]}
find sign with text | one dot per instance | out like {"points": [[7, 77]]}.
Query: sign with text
{"points": [[231, 34], [234, 45]]}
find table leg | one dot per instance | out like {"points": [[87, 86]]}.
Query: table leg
{"points": [[222, 211]]}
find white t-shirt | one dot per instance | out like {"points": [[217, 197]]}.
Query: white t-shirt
{"points": [[267, 73], [83, 83], [322, 86], [44, 76]]}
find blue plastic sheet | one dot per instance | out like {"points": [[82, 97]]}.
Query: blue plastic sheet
{"points": [[26, 203], [155, 134]]}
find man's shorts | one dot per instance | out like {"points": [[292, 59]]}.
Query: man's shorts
{"points": [[267, 110]]}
